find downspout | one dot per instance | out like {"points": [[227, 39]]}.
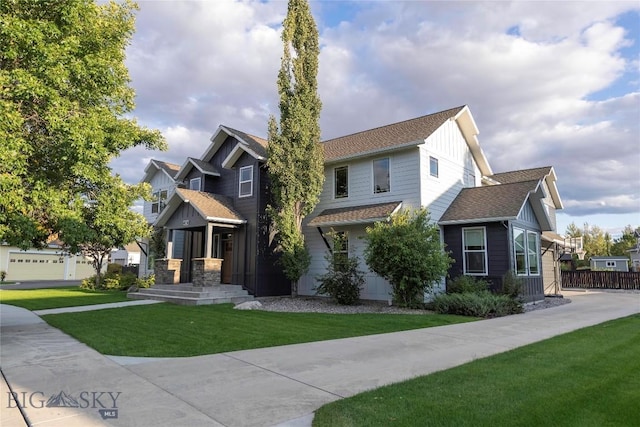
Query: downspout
{"points": [[325, 240]]}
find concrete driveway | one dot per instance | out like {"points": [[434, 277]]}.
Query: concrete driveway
{"points": [[261, 387]]}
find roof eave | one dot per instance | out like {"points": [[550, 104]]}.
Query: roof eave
{"points": [[376, 152], [476, 220]]}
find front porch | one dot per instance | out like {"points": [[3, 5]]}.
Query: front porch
{"points": [[190, 294]]}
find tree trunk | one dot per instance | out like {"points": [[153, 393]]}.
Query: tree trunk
{"points": [[294, 289]]}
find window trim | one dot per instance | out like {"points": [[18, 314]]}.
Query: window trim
{"points": [[373, 173], [529, 236], [192, 180], [335, 182], [240, 181], [432, 161], [610, 264], [484, 251]]}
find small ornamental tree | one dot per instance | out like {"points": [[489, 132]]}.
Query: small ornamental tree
{"points": [[343, 279], [406, 251], [104, 221]]}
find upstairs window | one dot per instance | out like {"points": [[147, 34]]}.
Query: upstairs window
{"points": [[474, 246], [159, 201], [341, 181], [433, 167], [194, 184], [381, 181], [246, 181]]}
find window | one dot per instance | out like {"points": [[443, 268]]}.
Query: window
{"points": [[526, 249], [159, 201], [381, 182], [246, 181], [474, 246], [341, 180], [433, 166], [194, 184], [216, 247], [611, 263]]}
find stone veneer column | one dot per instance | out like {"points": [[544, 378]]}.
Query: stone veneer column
{"points": [[167, 271], [206, 271]]}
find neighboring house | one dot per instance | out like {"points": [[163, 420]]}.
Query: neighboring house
{"points": [[634, 253], [217, 212], [161, 176], [370, 175], [498, 227], [50, 263], [126, 256], [612, 263]]}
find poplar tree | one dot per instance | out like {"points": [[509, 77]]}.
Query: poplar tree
{"points": [[64, 100], [296, 157]]}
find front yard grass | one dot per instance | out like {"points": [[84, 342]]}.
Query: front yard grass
{"points": [[584, 378], [72, 296], [166, 330]]}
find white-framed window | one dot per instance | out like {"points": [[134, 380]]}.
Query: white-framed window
{"points": [[216, 248], [246, 181], [526, 248], [474, 248], [340, 248], [341, 182], [381, 177], [433, 166], [194, 184], [611, 264], [159, 201]]}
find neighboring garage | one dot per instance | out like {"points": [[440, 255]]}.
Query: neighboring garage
{"points": [[42, 265]]}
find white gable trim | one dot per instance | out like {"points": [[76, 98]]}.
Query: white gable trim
{"points": [[470, 131], [148, 173], [235, 154]]}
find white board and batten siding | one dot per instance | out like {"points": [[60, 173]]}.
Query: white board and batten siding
{"points": [[456, 169], [159, 181]]}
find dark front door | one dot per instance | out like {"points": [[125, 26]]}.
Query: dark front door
{"points": [[227, 259]]}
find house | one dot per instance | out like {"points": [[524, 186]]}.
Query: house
{"points": [[634, 253], [214, 216], [499, 227], [214, 211], [424, 161], [161, 176], [126, 256], [50, 263], [612, 263]]}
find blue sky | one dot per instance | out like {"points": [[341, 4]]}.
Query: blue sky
{"points": [[548, 83]]}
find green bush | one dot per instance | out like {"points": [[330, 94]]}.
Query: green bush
{"points": [[480, 304], [512, 285], [114, 268], [463, 284], [146, 282], [3, 275], [343, 280], [110, 281]]}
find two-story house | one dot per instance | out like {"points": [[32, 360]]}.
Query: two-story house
{"points": [[215, 217], [425, 161]]}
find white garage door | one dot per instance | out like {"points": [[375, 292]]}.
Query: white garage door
{"points": [[35, 266]]}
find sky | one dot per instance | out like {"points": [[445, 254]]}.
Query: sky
{"points": [[549, 83]]}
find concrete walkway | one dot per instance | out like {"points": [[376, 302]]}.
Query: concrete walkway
{"points": [[264, 387]]}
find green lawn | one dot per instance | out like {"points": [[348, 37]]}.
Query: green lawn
{"points": [[166, 330], [589, 377], [40, 299]]}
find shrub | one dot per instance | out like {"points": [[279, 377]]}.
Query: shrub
{"points": [[3, 275], [110, 281], [463, 284], [114, 268], [343, 280], [146, 282], [512, 285], [407, 252], [480, 304]]}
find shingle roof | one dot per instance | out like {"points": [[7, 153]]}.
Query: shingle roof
{"points": [[256, 144], [170, 168], [521, 175], [393, 135], [494, 202], [211, 206], [205, 167], [355, 214]]}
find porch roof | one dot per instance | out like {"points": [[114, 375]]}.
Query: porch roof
{"points": [[364, 214], [211, 207]]}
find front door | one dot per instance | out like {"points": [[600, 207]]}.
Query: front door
{"points": [[227, 259]]}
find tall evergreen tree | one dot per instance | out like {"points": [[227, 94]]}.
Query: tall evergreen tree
{"points": [[295, 155]]}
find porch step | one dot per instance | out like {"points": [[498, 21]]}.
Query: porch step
{"points": [[193, 295]]}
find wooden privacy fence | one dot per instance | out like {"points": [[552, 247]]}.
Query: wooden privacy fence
{"points": [[601, 280]]}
